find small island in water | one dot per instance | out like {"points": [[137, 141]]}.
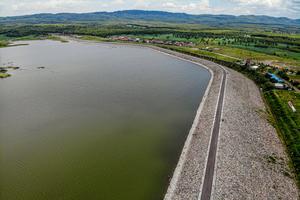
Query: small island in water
{"points": [[4, 71]]}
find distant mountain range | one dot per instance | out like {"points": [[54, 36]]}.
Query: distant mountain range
{"points": [[141, 15]]}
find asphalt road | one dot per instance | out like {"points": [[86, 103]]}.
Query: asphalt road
{"points": [[211, 160]]}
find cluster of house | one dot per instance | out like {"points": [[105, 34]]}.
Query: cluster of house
{"points": [[152, 41], [278, 82]]}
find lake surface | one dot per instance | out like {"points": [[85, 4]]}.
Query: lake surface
{"points": [[101, 121]]}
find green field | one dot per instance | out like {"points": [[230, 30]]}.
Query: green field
{"points": [[287, 122], [3, 43], [295, 77], [258, 56], [93, 38], [4, 75], [203, 53], [282, 50], [56, 38]]}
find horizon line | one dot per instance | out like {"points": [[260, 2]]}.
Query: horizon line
{"points": [[56, 13]]}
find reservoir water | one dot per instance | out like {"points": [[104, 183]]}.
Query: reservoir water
{"points": [[93, 121]]}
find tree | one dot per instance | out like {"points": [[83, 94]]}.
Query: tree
{"points": [[283, 75]]}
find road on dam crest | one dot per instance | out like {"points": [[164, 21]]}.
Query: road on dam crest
{"points": [[211, 160]]}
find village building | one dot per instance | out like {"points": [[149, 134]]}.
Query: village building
{"points": [[279, 86], [254, 67]]}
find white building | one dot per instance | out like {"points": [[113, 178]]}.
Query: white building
{"points": [[279, 86], [292, 106], [255, 67]]}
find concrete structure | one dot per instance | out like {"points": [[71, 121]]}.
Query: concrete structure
{"points": [[292, 106], [274, 78], [279, 86], [254, 67]]}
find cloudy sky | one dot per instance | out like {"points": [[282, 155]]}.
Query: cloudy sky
{"points": [[285, 8]]}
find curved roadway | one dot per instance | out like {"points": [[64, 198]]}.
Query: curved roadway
{"points": [[211, 159]]}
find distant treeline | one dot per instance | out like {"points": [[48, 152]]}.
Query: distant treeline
{"points": [[242, 37], [239, 37], [160, 17], [101, 31]]}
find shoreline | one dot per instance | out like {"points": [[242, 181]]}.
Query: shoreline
{"points": [[214, 70], [176, 180], [183, 156], [177, 170], [186, 146], [246, 138], [276, 185]]}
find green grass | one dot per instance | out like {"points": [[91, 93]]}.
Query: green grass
{"points": [[277, 55], [56, 38], [281, 53], [295, 77], [29, 37], [11, 67], [203, 53], [3, 43], [4, 75], [287, 122], [288, 35], [165, 37], [256, 56], [4, 69], [5, 40], [93, 38]]}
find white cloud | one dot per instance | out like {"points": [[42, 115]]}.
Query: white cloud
{"points": [[268, 3], [192, 7], [285, 8]]}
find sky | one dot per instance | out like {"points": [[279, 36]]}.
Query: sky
{"points": [[278, 8]]}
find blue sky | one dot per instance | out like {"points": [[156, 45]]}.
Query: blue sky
{"points": [[281, 8]]}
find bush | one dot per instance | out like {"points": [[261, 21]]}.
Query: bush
{"points": [[283, 75]]}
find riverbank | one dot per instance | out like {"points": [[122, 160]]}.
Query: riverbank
{"points": [[189, 174], [135, 113]]}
